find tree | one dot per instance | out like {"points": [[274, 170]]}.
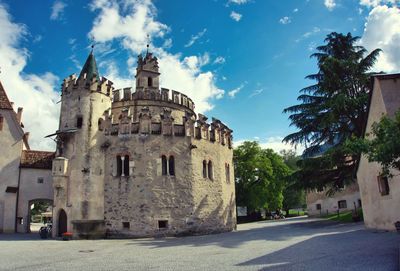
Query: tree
{"points": [[260, 177], [331, 111], [293, 196]]}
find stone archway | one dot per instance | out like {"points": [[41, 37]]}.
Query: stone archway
{"points": [[62, 222], [44, 210]]}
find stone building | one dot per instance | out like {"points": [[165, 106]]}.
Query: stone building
{"points": [[380, 194], [139, 163], [25, 174], [348, 198]]}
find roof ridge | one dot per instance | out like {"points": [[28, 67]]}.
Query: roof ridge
{"points": [[4, 101]]}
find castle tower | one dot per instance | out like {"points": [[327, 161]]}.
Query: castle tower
{"points": [[147, 74], [78, 169]]}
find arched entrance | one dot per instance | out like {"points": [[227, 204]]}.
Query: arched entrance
{"points": [[62, 223], [39, 214]]}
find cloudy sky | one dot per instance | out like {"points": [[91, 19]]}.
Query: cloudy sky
{"points": [[241, 61]]}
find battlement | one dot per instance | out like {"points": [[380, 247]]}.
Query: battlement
{"points": [[162, 94], [198, 128], [72, 83]]}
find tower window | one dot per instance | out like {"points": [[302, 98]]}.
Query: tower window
{"points": [[164, 165], [383, 184], [210, 170], [162, 224], [126, 165], [100, 124], [171, 166], [119, 165], [79, 122], [123, 165], [227, 173], [204, 169], [149, 81]]}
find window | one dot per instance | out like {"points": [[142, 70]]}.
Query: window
{"points": [[100, 124], [162, 224], [227, 173], [40, 180], [1, 122], [149, 81], [126, 225], [164, 165], [119, 165], [123, 165], [210, 170], [171, 166], [204, 169], [318, 206], [342, 204], [126, 165], [359, 203], [383, 184], [79, 122]]}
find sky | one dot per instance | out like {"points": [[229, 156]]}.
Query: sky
{"points": [[241, 61]]}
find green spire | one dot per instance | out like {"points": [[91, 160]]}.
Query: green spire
{"points": [[90, 68]]}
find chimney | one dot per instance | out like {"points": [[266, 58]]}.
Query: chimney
{"points": [[19, 115]]}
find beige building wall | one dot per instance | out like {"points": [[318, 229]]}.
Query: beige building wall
{"points": [[31, 189], [380, 211], [11, 142], [329, 205]]}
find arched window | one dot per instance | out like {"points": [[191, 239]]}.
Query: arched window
{"points": [[100, 124], [119, 165], [79, 121], [126, 165], [210, 170], [149, 81], [164, 165], [171, 166], [204, 169]]}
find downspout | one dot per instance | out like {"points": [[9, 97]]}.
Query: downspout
{"points": [[16, 203]]}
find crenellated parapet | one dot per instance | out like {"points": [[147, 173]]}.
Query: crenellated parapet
{"points": [[164, 95], [165, 125], [73, 83]]}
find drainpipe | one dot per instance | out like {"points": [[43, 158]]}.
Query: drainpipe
{"points": [[16, 204]]}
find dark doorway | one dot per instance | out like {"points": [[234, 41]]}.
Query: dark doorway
{"points": [[62, 223]]}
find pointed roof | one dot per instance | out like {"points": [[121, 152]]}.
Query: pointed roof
{"points": [[90, 68], [4, 101]]}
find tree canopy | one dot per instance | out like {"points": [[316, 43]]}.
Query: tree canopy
{"points": [[331, 111], [260, 177]]}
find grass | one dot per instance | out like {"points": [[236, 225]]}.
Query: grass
{"points": [[295, 212], [345, 217]]}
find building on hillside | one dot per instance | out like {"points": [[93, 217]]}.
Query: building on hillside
{"points": [[348, 198], [380, 195], [25, 175], [139, 163]]}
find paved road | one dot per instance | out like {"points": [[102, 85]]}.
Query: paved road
{"points": [[293, 244]]}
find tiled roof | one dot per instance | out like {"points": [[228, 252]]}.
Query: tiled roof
{"points": [[4, 101], [37, 159]]}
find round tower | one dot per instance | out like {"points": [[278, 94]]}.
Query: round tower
{"points": [[78, 169]]}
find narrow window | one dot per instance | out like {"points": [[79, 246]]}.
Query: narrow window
{"points": [[171, 166], [119, 165], [227, 173], [383, 184], [204, 169], [164, 165], [342, 204], [100, 124], [359, 203], [318, 206], [1, 123], [40, 180], [162, 224], [79, 122], [210, 170], [126, 165], [126, 225], [149, 81]]}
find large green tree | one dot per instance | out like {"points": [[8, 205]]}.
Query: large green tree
{"points": [[331, 111], [260, 177]]}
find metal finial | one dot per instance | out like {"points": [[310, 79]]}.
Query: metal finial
{"points": [[148, 42], [92, 48]]}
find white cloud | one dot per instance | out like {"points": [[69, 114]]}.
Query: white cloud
{"points": [[35, 93], [382, 30], [256, 92], [219, 60], [295, 10], [130, 21], [239, 2], [285, 20], [275, 143], [194, 38], [167, 43], [235, 91], [57, 10], [330, 4], [375, 3], [236, 16]]}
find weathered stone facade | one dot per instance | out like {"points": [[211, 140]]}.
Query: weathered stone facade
{"points": [[139, 163]]}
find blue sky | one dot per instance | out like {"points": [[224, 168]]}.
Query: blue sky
{"points": [[242, 61]]}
